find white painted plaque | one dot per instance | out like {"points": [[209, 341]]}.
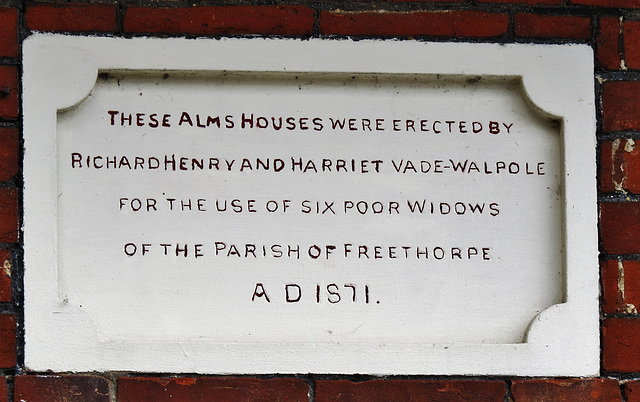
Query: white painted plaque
{"points": [[280, 206]]}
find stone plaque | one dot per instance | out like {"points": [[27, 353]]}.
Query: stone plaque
{"points": [[280, 206]]}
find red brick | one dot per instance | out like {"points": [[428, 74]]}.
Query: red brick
{"points": [[35, 388], [413, 390], [5, 275], [8, 215], [621, 106], [631, 31], [8, 92], [620, 227], [9, 148], [607, 43], [231, 389], [566, 390], [620, 286], [632, 391], [612, 297], [608, 3], [414, 23], [423, 1], [265, 20], [8, 32], [629, 176], [607, 167], [529, 2], [4, 390], [621, 345], [71, 18], [552, 26], [620, 166], [7, 341]]}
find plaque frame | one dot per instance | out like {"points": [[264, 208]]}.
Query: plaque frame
{"points": [[59, 71]]}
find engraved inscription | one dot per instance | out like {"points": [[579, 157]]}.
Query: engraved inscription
{"points": [[369, 202]]}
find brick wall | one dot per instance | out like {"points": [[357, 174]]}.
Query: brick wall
{"points": [[612, 27]]}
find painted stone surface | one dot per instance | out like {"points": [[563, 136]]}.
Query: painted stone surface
{"points": [[398, 218]]}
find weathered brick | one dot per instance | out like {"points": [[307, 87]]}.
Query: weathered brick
{"points": [[8, 215], [621, 105], [621, 345], [607, 43], [134, 389], [552, 26], [8, 32], [608, 3], [71, 18], [8, 92], [631, 31], [437, 23], [5, 275], [620, 227], [9, 148], [629, 176], [566, 390], [413, 390], [620, 286], [607, 167], [265, 20], [632, 391], [36, 388], [620, 166], [7, 341], [612, 298]]}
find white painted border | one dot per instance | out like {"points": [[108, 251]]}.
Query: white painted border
{"points": [[59, 71]]}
